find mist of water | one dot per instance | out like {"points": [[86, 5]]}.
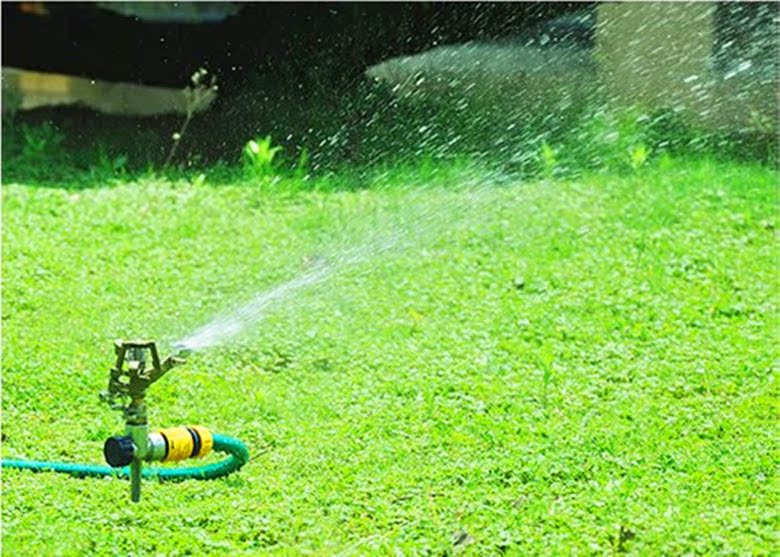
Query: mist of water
{"points": [[418, 224], [225, 327]]}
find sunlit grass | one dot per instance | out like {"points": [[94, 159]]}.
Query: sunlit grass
{"points": [[552, 367]]}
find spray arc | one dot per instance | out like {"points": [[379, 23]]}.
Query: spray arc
{"points": [[137, 367]]}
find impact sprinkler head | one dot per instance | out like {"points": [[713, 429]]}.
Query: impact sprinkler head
{"points": [[133, 373], [137, 366]]}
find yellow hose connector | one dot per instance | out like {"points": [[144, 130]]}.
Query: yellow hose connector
{"points": [[186, 442]]}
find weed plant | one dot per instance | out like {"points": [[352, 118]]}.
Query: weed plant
{"points": [[260, 157]]}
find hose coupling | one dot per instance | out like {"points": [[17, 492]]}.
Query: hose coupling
{"points": [[167, 445]]}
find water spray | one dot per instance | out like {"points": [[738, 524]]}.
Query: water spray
{"points": [[137, 367]]}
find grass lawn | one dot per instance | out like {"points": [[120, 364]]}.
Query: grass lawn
{"points": [[552, 367]]}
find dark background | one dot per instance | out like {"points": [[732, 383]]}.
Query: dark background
{"points": [[291, 70], [296, 72], [82, 39]]}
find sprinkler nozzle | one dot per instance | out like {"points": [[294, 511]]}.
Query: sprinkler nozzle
{"points": [[181, 350]]}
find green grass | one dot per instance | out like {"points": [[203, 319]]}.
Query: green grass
{"points": [[555, 367]]}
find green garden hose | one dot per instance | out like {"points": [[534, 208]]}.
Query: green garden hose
{"points": [[237, 451]]}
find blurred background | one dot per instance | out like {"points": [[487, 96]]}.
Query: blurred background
{"points": [[356, 84]]}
